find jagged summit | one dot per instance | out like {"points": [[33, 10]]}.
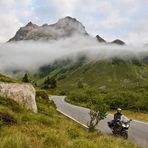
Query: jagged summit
{"points": [[118, 42], [65, 27], [67, 19], [100, 39], [29, 24]]}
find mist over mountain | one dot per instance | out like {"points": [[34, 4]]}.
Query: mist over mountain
{"points": [[36, 46]]}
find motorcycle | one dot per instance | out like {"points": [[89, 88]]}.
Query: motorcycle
{"points": [[120, 127]]}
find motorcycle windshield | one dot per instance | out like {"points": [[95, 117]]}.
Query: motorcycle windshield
{"points": [[124, 119]]}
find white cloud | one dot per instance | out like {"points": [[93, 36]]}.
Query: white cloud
{"points": [[113, 21], [65, 7], [139, 35], [10, 13], [32, 55]]}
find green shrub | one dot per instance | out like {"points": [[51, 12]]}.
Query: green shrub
{"points": [[42, 94], [63, 92], [97, 113], [127, 100], [80, 98], [50, 83]]}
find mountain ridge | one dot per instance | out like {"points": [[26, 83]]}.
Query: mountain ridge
{"points": [[63, 28]]}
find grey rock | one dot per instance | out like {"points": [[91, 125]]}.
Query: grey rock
{"points": [[23, 94]]}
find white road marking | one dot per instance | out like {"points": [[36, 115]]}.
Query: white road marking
{"points": [[72, 118]]}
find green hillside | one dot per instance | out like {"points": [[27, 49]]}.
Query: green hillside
{"points": [[119, 82], [106, 74], [6, 79]]}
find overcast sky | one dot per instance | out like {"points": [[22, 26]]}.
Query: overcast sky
{"points": [[124, 19]]}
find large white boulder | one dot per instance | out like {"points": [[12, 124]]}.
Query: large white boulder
{"points": [[23, 94]]}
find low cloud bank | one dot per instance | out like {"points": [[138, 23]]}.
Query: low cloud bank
{"points": [[28, 56]]}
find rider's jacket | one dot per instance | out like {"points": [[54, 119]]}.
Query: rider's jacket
{"points": [[117, 116]]}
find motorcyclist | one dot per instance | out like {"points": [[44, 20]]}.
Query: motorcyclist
{"points": [[117, 116], [120, 124]]}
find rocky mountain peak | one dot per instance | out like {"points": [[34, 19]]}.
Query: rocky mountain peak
{"points": [[65, 27], [100, 39], [67, 18], [29, 24], [72, 25], [118, 42]]}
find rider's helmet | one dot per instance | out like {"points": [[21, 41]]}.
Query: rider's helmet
{"points": [[119, 110]]}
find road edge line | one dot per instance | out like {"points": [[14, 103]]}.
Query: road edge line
{"points": [[72, 118]]}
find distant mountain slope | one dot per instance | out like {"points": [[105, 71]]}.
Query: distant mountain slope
{"points": [[106, 74], [113, 73], [4, 78], [65, 27]]}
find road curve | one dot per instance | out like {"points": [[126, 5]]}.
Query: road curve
{"points": [[138, 132]]}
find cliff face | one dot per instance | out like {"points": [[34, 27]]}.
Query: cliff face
{"points": [[23, 94]]}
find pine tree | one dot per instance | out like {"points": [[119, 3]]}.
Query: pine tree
{"points": [[50, 83], [25, 78]]}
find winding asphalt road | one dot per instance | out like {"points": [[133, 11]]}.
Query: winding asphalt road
{"points": [[138, 131]]}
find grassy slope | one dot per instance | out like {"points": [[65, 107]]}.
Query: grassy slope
{"points": [[48, 128], [105, 77], [6, 79], [113, 76]]}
